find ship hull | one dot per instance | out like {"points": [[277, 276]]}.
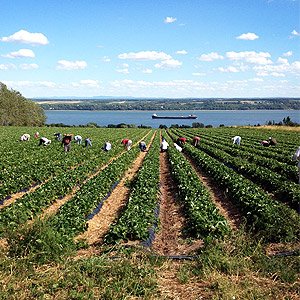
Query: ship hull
{"points": [[174, 117]]}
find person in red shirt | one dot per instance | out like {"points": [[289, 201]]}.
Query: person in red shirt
{"points": [[127, 143], [196, 140], [181, 141]]}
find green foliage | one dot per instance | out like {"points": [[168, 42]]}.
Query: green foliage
{"points": [[17, 110]]}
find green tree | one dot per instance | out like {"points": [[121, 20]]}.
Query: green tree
{"points": [[17, 110]]}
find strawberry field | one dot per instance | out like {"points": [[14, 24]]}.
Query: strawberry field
{"points": [[262, 183], [227, 208]]}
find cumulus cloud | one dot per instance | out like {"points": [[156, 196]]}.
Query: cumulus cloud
{"points": [[229, 69], [145, 55], [71, 65], [26, 37], [282, 60], [250, 36], [295, 33], [147, 71], [168, 64], [169, 20], [29, 66], [287, 54], [260, 58], [5, 67], [210, 56], [182, 52], [106, 59], [20, 53], [198, 74], [91, 83], [123, 71]]}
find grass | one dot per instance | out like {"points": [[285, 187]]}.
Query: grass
{"points": [[235, 268]]}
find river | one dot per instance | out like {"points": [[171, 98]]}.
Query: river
{"points": [[207, 117]]}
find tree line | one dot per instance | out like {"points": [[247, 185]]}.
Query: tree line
{"points": [[16, 110]]}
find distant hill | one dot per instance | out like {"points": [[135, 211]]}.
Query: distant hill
{"points": [[122, 103]]}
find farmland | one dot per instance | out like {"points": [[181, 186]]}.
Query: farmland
{"points": [[149, 225]]}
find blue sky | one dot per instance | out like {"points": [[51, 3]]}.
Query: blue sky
{"points": [[138, 48]]}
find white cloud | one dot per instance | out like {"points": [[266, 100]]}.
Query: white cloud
{"points": [[169, 20], [106, 59], [147, 71], [281, 60], [248, 36], [261, 58], [5, 67], [276, 74], [71, 65], [229, 69], [168, 64], [91, 83], [198, 74], [210, 56], [123, 71], [145, 55], [29, 66], [30, 84], [295, 33], [26, 37], [182, 52], [20, 53], [287, 54], [256, 79]]}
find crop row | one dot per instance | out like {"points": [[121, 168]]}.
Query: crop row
{"points": [[71, 217], [283, 189], [268, 217], [139, 214], [201, 213]]}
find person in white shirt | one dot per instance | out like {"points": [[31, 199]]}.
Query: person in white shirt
{"points": [[107, 146], [178, 147], [78, 139], [237, 140], [25, 137], [164, 145], [44, 141]]}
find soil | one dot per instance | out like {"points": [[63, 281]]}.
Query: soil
{"points": [[99, 225], [170, 240]]}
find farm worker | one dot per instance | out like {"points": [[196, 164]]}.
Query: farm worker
{"points": [[124, 142], [88, 142], [272, 141], [127, 143], [66, 142], [107, 146], [296, 157], [265, 143], [58, 136], [142, 146], [25, 137], [181, 141], [196, 140], [236, 140], [78, 139], [178, 147], [36, 135], [44, 141], [164, 145]]}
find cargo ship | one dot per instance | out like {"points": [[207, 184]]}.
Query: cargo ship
{"points": [[155, 116]]}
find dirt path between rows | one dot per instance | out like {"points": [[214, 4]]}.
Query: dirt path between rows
{"points": [[99, 225], [170, 240], [14, 197]]}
